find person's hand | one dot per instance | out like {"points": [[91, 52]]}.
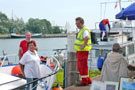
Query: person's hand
{"points": [[35, 48], [75, 33], [131, 67], [83, 46], [23, 75]]}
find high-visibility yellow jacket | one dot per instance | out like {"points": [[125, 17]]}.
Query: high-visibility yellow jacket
{"points": [[80, 41]]}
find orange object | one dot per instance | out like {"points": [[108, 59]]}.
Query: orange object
{"points": [[59, 88], [51, 65], [16, 70]]}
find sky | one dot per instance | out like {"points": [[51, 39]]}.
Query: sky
{"points": [[62, 12]]}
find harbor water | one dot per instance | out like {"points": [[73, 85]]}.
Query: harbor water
{"points": [[45, 47]]}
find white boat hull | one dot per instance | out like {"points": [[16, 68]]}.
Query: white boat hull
{"points": [[7, 81]]}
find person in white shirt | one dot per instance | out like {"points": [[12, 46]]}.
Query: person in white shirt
{"points": [[31, 61]]}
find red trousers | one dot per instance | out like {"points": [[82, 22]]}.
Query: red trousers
{"points": [[82, 63]]}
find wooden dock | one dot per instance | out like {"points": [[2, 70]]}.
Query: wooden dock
{"points": [[54, 35], [43, 36], [4, 36], [74, 87]]}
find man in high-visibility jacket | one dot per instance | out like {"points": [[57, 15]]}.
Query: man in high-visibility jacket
{"points": [[83, 46]]}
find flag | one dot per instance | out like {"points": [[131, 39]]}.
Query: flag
{"points": [[115, 5]]}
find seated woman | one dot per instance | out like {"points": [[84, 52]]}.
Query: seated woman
{"points": [[115, 66], [31, 61]]}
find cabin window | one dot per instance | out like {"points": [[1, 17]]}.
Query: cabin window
{"points": [[123, 51], [111, 39], [131, 49], [97, 53], [101, 52], [105, 52]]}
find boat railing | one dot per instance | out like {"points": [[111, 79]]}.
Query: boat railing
{"points": [[93, 57], [127, 50], [55, 71], [97, 23], [6, 57]]}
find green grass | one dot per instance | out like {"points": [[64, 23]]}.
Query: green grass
{"points": [[60, 75], [93, 73]]}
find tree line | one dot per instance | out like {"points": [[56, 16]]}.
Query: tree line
{"points": [[33, 25]]}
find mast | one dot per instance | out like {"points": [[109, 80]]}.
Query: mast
{"points": [[105, 4], [12, 16], [120, 4]]}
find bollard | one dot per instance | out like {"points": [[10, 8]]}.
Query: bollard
{"points": [[72, 74]]}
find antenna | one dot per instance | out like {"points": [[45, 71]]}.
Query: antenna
{"points": [[120, 4], [12, 15]]}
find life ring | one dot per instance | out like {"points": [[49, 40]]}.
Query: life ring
{"points": [[16, 71]]}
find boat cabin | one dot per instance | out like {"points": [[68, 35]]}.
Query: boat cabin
{"points": [[125, 36]]}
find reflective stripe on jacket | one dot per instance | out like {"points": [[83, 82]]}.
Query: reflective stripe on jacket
{"points": [[80, 41]]}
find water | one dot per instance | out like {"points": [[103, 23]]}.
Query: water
{"points": [[45, 48], [45, 45]]}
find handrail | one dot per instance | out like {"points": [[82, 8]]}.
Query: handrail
{"points": [[4, 58], [99, 22], [56, 69]]}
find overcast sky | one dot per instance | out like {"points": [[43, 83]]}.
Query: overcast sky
{"points": [[58, 12]]}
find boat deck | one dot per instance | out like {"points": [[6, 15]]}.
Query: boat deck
{"points": [[74, 87]]}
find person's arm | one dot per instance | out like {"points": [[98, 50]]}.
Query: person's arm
{"points": [[86, 38], [107, 22], [19, 53], [22, 62], [22, 69], [85, 42], [131, 67], [109, 27], [36, 48]]}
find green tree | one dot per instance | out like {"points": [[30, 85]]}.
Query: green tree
{"points": [[33, 25], [4, 23], [56, 29], [39, 26], [17, 26], [3, 30]]}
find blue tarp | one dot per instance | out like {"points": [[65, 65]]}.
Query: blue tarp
{"points": [[127, 13]]}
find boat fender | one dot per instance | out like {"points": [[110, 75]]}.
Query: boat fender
{"points": [[100, 63], [16, 71], [43, 59], [58, 87]]}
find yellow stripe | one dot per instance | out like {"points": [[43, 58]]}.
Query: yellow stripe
{"points": [[81, 44]]}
